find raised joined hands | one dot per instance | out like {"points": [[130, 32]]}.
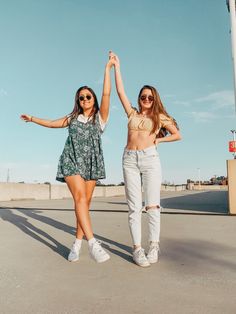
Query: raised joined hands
{"points": [[113, 58]]}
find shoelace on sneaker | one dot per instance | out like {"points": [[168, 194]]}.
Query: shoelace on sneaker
{"points": [[141, 253], [154, 248], [75, 247], [98, 246]]}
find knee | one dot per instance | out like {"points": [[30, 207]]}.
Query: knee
{"points": [[152, 207], [80, 199], [134, 216]]}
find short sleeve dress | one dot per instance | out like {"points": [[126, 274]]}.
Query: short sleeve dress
{"points": [[82, 153]]}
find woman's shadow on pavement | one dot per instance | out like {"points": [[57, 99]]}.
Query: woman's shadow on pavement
{"points": [[28, 228], [24, 225], [123, 247]]}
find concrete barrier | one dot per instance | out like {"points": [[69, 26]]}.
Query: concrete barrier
{"points": [[210, 187], [181, 187], [17, 191], [58, 191], [114, 190]]}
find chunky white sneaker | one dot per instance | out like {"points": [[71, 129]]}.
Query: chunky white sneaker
{"points": [[153, 253], [98, 253], [139, 258], [74, 252]]}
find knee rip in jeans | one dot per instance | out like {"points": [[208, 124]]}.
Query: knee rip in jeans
{"points": [[152, 207]]}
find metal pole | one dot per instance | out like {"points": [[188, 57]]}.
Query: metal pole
{"points": [[231, 8], [199, 178], [8, 175]]}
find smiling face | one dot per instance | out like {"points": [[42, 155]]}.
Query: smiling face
{"points": [[86, 100], [146, 99]]}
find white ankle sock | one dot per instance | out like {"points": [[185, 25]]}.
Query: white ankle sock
{"points": [[91, 241], [78, 242]]}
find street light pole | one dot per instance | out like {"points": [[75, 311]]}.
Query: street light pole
{"points": [[199, 178], [8, 175], [231, 9]]}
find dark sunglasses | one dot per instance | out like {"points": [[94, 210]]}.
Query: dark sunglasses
{"points": [[150, 98], [88, 97]]}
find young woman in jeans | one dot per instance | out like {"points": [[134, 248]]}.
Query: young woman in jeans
{"points": [[147, 127], [81, 163]]}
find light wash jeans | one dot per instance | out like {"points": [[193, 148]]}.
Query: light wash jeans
{"points": [[143, 168]]}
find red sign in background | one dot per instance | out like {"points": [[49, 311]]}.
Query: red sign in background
{"points": [[232, 146]]}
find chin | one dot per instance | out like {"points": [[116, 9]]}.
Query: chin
{"points": [[88, 106], [147, 106]]}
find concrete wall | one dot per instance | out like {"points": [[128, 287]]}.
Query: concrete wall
{"points": [[17, 191], [211, 187], [181, 187], [14, 191], [58, 191]]}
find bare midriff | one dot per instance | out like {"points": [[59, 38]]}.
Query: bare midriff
{"points": [[139, 140]]}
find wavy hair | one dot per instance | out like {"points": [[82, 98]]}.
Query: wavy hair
{"points": [[157, 109], [79, 110]]}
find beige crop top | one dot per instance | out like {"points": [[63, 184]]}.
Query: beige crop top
{"points": [[141, 123]]}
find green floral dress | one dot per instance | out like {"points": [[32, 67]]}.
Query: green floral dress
{"points": [[82, 153]]}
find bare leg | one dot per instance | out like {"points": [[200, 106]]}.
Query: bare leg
{"points": [[90, 185], [82, 191]]}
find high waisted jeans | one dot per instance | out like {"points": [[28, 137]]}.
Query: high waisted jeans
{"points": [[141, 168]]}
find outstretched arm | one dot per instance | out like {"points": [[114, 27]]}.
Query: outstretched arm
{"points": [[120, 87], [105, 102], [59, 123]]}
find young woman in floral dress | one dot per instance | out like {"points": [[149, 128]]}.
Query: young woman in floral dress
{"points": [[81, 163]]}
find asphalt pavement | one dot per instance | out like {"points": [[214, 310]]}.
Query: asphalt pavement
{"points": [[196, 272]]}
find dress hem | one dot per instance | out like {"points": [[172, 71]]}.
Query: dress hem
{"points": [[74, 174]]}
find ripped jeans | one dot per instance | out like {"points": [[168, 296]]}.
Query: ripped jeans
{"points": [[142, 168]]}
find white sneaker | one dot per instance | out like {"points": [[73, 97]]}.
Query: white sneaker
{"points": [[74, 252], [153, 253], [98, 253], [139, 258]]}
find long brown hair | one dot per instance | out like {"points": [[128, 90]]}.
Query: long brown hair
{"points": [[78, 109], [157, 109]]}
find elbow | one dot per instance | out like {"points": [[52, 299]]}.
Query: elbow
{"points": [[176, 136], [179, 137]]}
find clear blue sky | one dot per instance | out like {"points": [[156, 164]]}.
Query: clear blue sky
{"points": [[50, 48]]}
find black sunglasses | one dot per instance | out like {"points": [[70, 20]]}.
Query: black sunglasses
{"points": [[88, 97], [150, 98]]}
